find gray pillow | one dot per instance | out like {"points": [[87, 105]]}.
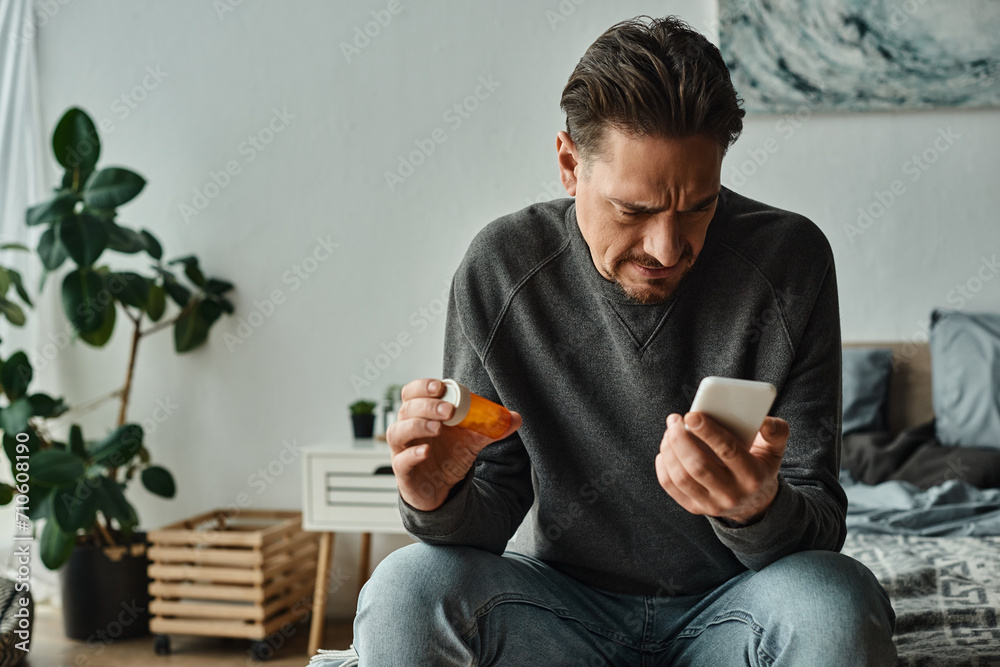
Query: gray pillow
{"points": [[866, 372], [965, 377]]}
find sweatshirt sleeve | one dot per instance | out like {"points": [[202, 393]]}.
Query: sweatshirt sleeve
{"points": [[809, 510], [487, 506]]}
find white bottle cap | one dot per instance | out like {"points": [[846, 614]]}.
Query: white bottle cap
{"points": [[458, 395]]}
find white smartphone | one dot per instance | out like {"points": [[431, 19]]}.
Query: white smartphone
{"points": [[738, 405]]}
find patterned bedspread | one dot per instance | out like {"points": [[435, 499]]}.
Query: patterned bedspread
{"points": [[946, 594]]}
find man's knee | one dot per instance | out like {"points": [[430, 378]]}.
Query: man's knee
{"points": [[828, 591], [417, 578]]}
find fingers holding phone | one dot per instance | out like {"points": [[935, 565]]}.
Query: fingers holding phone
{"points": [[716, 460]]}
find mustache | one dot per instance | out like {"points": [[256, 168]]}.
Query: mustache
{"points": [[650, 262]]}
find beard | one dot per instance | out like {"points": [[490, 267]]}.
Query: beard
{"points": [[650, 290]]}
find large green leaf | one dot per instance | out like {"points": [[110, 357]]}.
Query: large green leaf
{"points": [[12, 312], [40, 506], [59, 207], [75, 507], [119, 446], [191, 269], [159, 481], [81, 291], [15, 278], [6, 493], [112, 502], [191, 329], [56, 545], [153, 247], [84, 237], [102, 335], [123, 239], [180, 294], [14, 417], [216, 286], [55, 467], [75, 141], [130, 288], [112, 187], [156, 302], [15, 375], [51, 250], [43, 405]]}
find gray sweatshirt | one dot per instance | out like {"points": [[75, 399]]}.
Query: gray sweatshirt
{"points": [[532, 325]]}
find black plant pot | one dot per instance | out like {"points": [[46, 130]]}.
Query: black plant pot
{"points": [[364, 425], [105, 591]]}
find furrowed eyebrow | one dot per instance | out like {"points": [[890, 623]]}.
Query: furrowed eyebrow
{"points": [[644, 208]]}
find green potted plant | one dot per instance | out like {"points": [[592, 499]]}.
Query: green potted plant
{"points": [[76, 485], [363, 418]]}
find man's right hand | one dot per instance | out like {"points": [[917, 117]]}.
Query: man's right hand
{"points": [[429, 458]]}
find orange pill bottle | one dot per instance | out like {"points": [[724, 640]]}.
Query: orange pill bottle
{"points": [[475, 412]]}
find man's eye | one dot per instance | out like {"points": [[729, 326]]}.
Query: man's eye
{"points": [[629, 213]]}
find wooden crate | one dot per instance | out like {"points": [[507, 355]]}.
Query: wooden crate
{"points": [[231, 574]]}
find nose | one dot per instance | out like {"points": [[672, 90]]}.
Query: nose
{"points": [[663, 240]]}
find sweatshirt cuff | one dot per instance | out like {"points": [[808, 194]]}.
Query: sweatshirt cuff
{"points": [[442, 521], [765, 533]]}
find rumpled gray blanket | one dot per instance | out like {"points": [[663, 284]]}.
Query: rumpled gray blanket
{"points": [[953, 508], [937, 554]]}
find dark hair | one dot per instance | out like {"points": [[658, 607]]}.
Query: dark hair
{"points": [[662, 78]]}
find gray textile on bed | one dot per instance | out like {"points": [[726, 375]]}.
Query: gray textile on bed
{"points": [[937, 554], [954, 508], [945, 592]]}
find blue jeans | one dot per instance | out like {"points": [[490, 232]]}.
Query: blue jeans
{"points": [[450, 605]]}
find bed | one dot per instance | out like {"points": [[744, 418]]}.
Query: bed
{"points": [[925, 518]]}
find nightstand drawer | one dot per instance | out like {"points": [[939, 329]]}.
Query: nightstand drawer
{"points": [[343, 493]]}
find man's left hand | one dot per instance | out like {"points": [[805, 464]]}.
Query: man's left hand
{"points": [[708, 471]]}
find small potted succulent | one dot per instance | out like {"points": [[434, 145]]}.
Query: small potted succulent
{"points": [[363, 418]]}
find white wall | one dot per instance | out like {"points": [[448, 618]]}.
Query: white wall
{"points": [[322, 176]]}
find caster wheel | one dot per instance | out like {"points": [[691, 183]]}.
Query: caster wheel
{"points": [[161, 645], [261, 651]]}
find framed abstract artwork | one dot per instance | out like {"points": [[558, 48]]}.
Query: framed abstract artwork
{"points": [[862, 55]]}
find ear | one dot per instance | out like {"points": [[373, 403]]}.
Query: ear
{"points": [[569, 161]]}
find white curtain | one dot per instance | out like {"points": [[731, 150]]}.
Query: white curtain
{"points": [[25, 179]]}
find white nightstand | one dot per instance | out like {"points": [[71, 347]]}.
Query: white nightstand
{"points": [[341, 492]]}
